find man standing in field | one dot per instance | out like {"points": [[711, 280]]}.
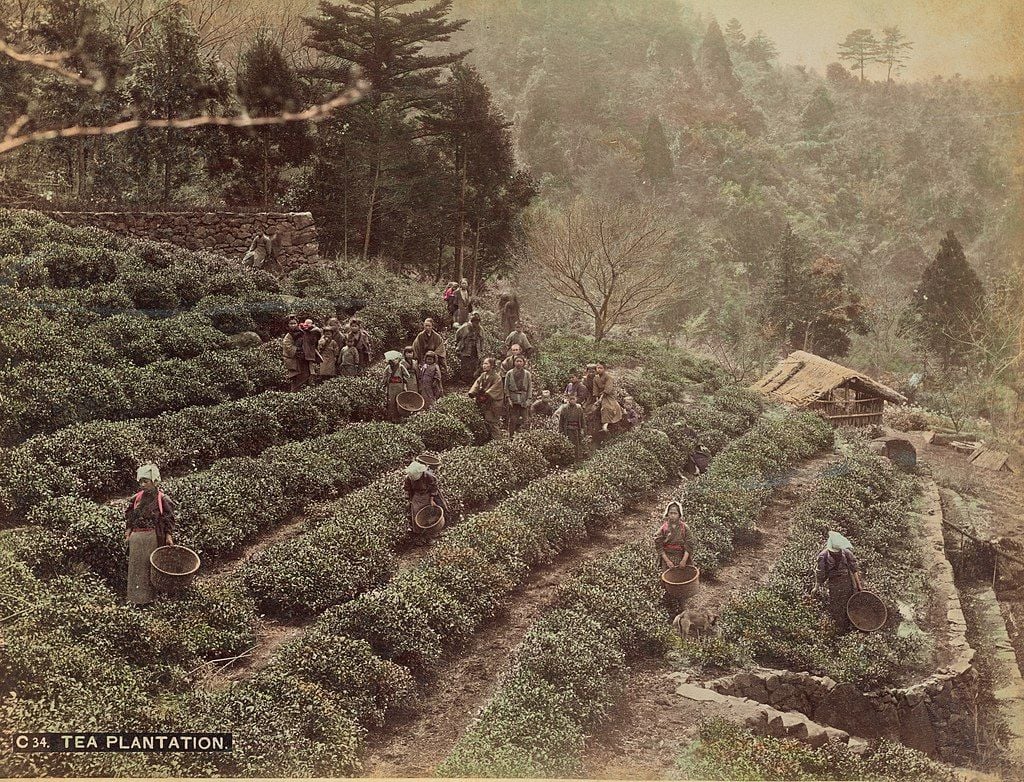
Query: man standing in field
{"points": [[489, 392], [429, 340], [469, 342]]}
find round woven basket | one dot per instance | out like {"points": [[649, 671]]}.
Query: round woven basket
{"points": [[173, 568], [410, 401], [429, 459], [866, 611], [429, 520], [681, 581]]}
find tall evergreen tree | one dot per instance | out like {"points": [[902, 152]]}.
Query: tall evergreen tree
{"points": [[385, 40], [893, 51], [266, 85], [807, 304], [947, 304], [172, 78], [714, 62], [476, 141], [761, 50], [734, 34], [657, 157], [860, 47]]}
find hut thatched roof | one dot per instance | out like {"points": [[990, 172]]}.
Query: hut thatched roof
{"points": [[801, 378]]}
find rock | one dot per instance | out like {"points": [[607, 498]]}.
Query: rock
{"points": [[694, 692], [784, 693], [849, 709], [858, 746], [916, 729]]}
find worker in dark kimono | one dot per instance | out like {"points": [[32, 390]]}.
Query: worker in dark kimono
{"points": [[463, 302], [429, 340], [671, 542], [837, 567], [362, 337], [422, 489], [451, 301], [430, 380], [587, 395], [489, 392], [296, 368], [149, 524], [396, 380], [349, 361], [518, 390], [572, 423], [508, 311], [469, 342], [541, 411]]}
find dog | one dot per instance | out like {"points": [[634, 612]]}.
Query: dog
{"points": [[694, 622]]}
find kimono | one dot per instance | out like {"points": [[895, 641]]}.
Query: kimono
{"points": [[430, 384]]}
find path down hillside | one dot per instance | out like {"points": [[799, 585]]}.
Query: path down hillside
{"points": [[418, 739], [645, 730]]}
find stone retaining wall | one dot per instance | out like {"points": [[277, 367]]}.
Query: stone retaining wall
{"points": [[225, 233], [935, 716]]}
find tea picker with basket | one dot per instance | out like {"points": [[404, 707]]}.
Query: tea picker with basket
{"points": [[428, 507], [672, 546], [837, 567]]}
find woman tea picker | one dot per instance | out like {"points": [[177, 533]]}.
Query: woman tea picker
{"points": [[671, 542], [149, 521], [838, 566], [422, 489]]}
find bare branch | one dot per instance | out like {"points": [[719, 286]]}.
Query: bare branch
{"points": [[312, 114], [52, 62]]}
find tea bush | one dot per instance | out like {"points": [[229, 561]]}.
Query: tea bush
{"points": [[727, 751], [781, 625]]}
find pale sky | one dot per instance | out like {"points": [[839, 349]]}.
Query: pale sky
{"points": [[975, 38]]}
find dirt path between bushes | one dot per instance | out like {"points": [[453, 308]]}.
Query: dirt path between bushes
{"points": [[646, 729], [418, 739]]}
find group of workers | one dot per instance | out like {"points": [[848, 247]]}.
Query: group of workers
{"points": [[311, 353], [835, 568]]}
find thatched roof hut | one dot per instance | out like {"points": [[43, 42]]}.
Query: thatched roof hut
{"points": [[843, 395]]}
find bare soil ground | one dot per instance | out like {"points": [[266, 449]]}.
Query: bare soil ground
{"points": [[645, 731], [416, 740]]}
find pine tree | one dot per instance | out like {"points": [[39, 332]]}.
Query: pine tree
{"points": [[859, 47], [761, 50], [714, 62], [478, 145], [384, 39], [657, 157], [267, 85], [947, 304], [734, 34], [893, 51]]}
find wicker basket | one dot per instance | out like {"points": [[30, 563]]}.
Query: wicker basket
{"points": [[173, 568], [429, 520], [866, 611], [409, 402], [681, 582]]}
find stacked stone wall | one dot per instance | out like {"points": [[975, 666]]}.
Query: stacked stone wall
{"points": [[225, 233]]}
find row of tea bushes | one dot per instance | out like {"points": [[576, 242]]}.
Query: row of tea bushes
{"points": [[349, 545], [569, 666], [99, 458], [868, 500], [222, 508], [47, 396], [367, 650]]}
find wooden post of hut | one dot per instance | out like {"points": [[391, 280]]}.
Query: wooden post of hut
{"points": [[842, 395]]}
